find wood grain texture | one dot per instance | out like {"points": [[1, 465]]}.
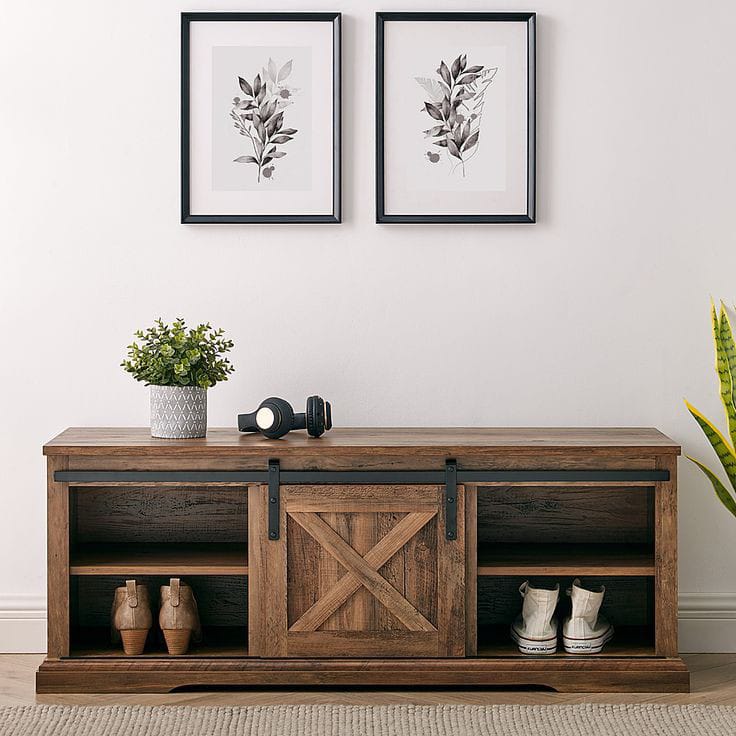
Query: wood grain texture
{"points": [[157, 514], [712, 677], [349, 558], [377, 556], [371, 573], [665, 550], [566, 559], [562, 514], [57, 576], [267, 599], [471, 570], [358, 567], [469, 458], [572, 674], [450, 582], [160, 559], [138, 441]]}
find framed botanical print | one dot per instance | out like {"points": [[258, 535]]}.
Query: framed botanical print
{"points": [[260, 125], [455, 115]]}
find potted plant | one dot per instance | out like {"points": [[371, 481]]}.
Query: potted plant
{"points": [[179, 364], [724, 447]]}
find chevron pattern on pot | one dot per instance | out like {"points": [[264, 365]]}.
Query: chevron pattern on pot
{"points": [[178, 412]]}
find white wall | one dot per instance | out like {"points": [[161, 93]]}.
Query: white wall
{"points": [[596, 315]]}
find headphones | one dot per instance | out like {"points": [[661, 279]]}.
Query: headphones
{"points": [[275, 417]]}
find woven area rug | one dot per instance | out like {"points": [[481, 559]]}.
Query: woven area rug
{"points": [[329, 720]]}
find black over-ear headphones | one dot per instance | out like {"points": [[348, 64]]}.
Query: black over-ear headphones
{"points": [[275, 417]]}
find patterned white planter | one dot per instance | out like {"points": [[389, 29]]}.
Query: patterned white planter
{"points": [[178, 412]]}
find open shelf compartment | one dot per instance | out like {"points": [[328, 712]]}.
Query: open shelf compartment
{"points": [[627, 604], [553, 534], [144, 530], [221, 600]]}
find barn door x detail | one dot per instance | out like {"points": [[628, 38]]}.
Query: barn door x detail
{"points": [[358, 571]]}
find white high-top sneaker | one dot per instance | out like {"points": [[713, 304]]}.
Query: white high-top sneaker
{"points": [[585, 631], [535, 628]]}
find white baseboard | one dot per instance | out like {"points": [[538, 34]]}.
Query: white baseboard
{"points": [[707, 623], [23, 625]]}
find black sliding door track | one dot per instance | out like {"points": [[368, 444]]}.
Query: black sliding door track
{"points": [[368, 477]]}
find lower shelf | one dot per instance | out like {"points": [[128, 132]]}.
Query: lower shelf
{"points": [[628, 641], [217, 641]]}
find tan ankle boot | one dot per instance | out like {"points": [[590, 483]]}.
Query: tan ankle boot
{"points": [[131, 616], [178, 618]]}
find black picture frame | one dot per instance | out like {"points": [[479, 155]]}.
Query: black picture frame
{"points": [[329, 17], [530, 216]]}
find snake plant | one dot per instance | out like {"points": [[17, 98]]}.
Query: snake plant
{"points": [[724, 448]]}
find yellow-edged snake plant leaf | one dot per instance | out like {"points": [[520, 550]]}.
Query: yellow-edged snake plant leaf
{"points": [[721, 491], [719, 443], [726, 364]]}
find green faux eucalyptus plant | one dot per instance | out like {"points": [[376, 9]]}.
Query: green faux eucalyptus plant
{"points": [[176, 355]]}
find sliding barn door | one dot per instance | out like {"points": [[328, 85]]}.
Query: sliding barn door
{"points": [[357, 571]]}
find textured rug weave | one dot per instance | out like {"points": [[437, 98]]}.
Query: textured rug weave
{"points": [[335, 720]]}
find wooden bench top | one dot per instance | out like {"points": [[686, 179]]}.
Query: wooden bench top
{"points": [[137, 441]]}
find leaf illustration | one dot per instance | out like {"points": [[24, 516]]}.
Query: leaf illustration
{"points": [[245, 86], [442, 143], [260, 115], [268, 110], [285, 71], [465, 133], [468, 78], [452, 148], [445, 108], [473, 69], [437, 130], [433, 110], [452, 116], [432, 87], [470, 142], [271, 126], [456, 67], [445, 74]]}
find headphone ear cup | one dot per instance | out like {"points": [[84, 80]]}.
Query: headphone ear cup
{"points": [[284, 417], [315, 416]]}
